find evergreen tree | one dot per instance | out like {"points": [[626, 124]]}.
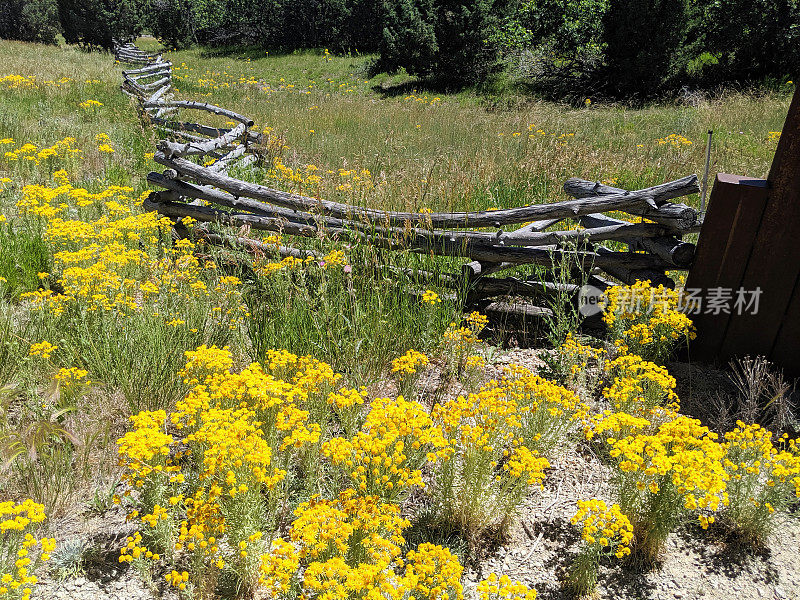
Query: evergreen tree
{"points": [[29, 20], [409, 36], [97, 23], [172, 22], [643, 40], [450, 41], [467, 52]]}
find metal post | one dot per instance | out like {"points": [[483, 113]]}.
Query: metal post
{"points": [[705, 173]]}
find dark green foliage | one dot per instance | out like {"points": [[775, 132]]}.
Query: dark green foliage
{"points": [[409, 37], [643, 40], [564, 48], [172, 22], [97, 23], [743, 40], [29, 20], [570, 28], [451, 41], [463, 32]]}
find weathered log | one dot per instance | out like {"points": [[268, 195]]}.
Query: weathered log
{"points": [[222, 164], [198, 139], [156, 85], [612, 231], [530, 227], [540, 239], [670, 249], [165, 111], [154, 67], [175, 150], [442, 246], [630, 275], [158, 94], [483, 288], [487, 268], [254, 246], [149, 75], [572, 208], [516, 309], [217, 110], [679, 217], [210, 132]]}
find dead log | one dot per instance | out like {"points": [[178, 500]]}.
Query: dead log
{"points": [[442, 246], [176, 150], [540, 239], [669, 248], [630, 275], [571, 208], [158, 66], [680, 217], [210, 132], [217, 110], [156, 85]]}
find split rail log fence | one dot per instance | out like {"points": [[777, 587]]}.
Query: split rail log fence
{"points": [[211, 196]]}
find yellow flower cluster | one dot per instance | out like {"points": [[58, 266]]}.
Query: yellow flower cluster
{"points": [[549, 412], [409, 363], [645, 320], [620, 424], [43, 349], [474, 362], [521, 461], [577, 356], [764, 479], [31, 154], [90, 104], [604, 526], [504, 588], [460, 340], [492, 437], [433, 572], [349, 547], [242, 431], [19, 559], [639, 386], [111, 263], [384, 458], [678, 469], [430, 297], [675, 140], [16, 82], [71, 377]]}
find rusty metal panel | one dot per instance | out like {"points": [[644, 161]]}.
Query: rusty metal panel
{"points": [[759, 251], [774, 264], [731, 223]]}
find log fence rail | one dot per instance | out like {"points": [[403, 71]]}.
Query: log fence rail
{"points": [[653, 237]]}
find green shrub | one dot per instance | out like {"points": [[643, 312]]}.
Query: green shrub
{"points": [[409, 38], [450, 41], [761, 41], [643, 39], [172, 22], [29, 20], [97, 23]]}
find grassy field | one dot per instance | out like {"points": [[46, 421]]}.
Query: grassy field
{"points": [[421, 150], [103, 316]]}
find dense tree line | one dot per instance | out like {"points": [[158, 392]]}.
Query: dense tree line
{"points": [[613, 47]]}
